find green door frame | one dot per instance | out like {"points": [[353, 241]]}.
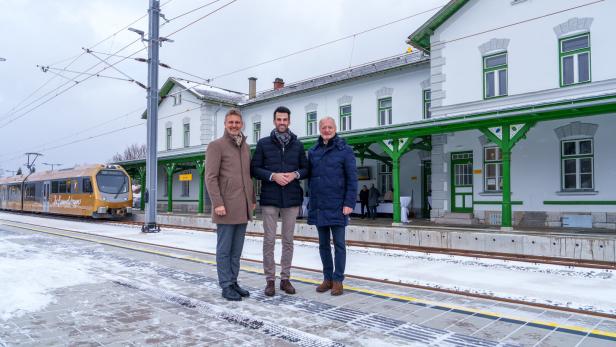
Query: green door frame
{"points": [[454, 162]]}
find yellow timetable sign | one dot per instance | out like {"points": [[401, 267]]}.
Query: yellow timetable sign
{"points": [[186, 177]]}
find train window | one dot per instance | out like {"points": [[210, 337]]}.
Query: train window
{"points": [[29, 192], [87, 185], [69, 186], [62, 187], [54, 187], [112, 182], [75, 183]]}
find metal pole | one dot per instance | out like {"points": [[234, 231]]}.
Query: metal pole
{"points": [[150, 225]]}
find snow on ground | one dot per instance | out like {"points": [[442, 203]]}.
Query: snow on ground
{"points": [[27, 277], [580, 288]]}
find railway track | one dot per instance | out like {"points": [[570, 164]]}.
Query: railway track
{"points": [[130, 244]]}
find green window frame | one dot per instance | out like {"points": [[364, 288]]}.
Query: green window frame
{"points": [[426, 97], [187, 135], [492, 169], [495, 80], [574, 60], [345, 117], [385, 178], [311, 123], [577, 165], [256, 131], [168, 138], [385, 116]]}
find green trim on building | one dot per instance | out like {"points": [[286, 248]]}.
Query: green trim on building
{"points": [[421, 37], [580, 202], [496, 202], [562, 55]]}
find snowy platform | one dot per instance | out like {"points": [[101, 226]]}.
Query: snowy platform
{"points": [[66, 282]]}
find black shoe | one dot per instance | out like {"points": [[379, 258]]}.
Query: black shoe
{"points": [[242, 292], [230, 294]]}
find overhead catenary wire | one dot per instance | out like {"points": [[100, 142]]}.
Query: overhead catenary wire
{"points": [[76, 57], [70, 87]]}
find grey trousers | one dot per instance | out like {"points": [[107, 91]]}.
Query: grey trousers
{"points": [[270, 223], [228, 252]]}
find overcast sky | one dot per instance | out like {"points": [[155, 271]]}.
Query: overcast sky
{"points": [[49, 32]]}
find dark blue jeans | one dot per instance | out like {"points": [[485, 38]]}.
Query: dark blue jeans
{"points": [[329, 271], [228, 252]]}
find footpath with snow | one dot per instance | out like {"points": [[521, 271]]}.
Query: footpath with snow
{"points": [[564, 286]]}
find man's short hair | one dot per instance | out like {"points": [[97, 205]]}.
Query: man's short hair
{"points": [[282, 109], [233, 112], [327, 118]]}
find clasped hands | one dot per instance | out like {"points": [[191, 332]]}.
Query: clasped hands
{"points": [[283, 178]]}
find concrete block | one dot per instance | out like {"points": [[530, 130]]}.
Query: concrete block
{"points": [[537, 245], [573, 248], [402, 237], [384, 235], [587, 251], [414, 237], [557, 247], [598, 249], [610, 251], [504, 243], [599, 217]]}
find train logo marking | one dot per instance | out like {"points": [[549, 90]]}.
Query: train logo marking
{"points": [[71, 203]]}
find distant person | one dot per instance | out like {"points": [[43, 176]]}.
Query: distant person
{"points": [[373, 201], [279, 162], [363, 200], [333, 192], [227, 176]]}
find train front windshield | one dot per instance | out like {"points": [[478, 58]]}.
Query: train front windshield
{"points": [[112, 182]]}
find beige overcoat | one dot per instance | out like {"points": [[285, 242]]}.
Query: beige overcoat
{"points": [[227, 178]]}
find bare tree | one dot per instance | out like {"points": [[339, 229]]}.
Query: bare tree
{"points": [[134, 151]]}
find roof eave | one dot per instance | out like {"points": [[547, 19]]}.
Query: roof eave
{"points": [[420, 38]]}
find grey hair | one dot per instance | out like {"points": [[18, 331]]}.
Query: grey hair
{"points": [[327, 118]]}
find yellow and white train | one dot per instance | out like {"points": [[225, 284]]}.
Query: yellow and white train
{"points": [[97, 191]]}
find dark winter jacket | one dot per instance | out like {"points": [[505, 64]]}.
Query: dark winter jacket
{"points": [[333, 182], [271, 157]]}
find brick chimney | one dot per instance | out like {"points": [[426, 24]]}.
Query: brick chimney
{"points": [[252, 87], [278, 83]]}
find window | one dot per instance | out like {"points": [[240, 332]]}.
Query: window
{"points": [[495, 75], [385, 114], [427, 114], [574, 60], [29, 192], [186, 187], [385, 178], [177, 99], [168, 138], [345, 118], [311, 123], [492, 169], [54, 187], [577, 164], [256, 131], [62, 187], [186, 135], [87, 185]]}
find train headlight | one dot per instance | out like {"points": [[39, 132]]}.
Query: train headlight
{"points": [[102, 210]]}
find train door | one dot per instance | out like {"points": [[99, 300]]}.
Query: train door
{"points": [[46, 190]]}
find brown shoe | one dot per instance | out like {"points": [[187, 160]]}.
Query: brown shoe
{"points": [[337, 288], [287, 286], [325, 286], [270, 288]]}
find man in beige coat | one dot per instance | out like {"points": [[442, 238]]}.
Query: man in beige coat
{"points": [[227, 177]]}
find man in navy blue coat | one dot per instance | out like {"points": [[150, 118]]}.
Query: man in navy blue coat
{"points": [[333, 191], [279, 162]]}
